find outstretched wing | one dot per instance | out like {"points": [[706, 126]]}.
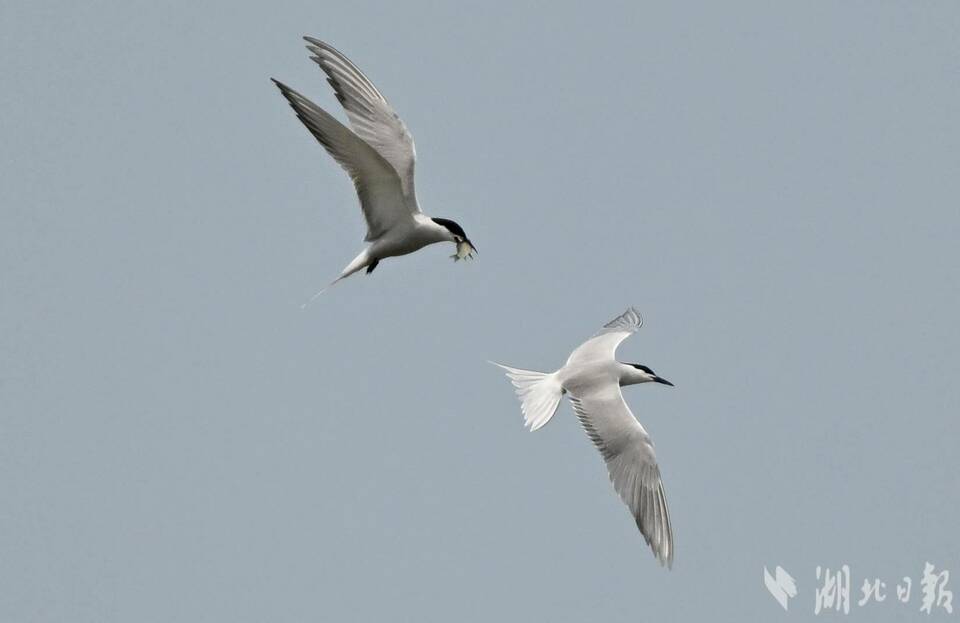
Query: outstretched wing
{"points": [[377, 183], [631, 462], [604, 344], [371, 116]]}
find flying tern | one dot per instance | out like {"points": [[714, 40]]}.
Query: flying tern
{"points": [[592, 378], [378, 154]]}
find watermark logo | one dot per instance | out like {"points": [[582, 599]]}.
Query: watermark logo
{"points": [[782, 586], [832, 590]]}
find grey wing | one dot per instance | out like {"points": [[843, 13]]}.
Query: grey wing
{"points": [[604, 344], [377, 183], [631, 462], [371, 116]]}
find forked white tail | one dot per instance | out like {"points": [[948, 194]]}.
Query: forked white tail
{"points": [[358, 263], [539, 394], [314, 297]]}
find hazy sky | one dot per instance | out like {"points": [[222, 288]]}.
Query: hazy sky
{"points": [[775, 186]]}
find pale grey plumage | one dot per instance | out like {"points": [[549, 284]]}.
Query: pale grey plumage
{"points": [[371, 116], [631, 462], [592, 379], [376, 181], [379, 155], [603, 344]]}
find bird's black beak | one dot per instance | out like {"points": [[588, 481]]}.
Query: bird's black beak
{"points": [[662, 381]]}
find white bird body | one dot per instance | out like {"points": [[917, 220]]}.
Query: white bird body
{"points": [[379, 155], [592, 378], [579, 378], [403, 238], [409, 236]]}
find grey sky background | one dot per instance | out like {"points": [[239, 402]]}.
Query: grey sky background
{"points": [[775, 186]]}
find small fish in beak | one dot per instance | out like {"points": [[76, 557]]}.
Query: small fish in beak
{"points": [[465, 249]]}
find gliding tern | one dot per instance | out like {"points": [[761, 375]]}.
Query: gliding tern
{"points": [[378, 155], [593, 378]]}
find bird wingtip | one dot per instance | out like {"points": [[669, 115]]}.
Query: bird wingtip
{"points": [[314, 42]]}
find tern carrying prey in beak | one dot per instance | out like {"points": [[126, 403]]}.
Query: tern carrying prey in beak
{"points": [[593, 378], [378, 155]]}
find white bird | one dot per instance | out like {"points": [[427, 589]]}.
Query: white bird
{"points": [[593, 377], [378, 154]]}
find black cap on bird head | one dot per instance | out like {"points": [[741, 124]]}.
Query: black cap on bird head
{"points": [[465, 248], [653, 375]]}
